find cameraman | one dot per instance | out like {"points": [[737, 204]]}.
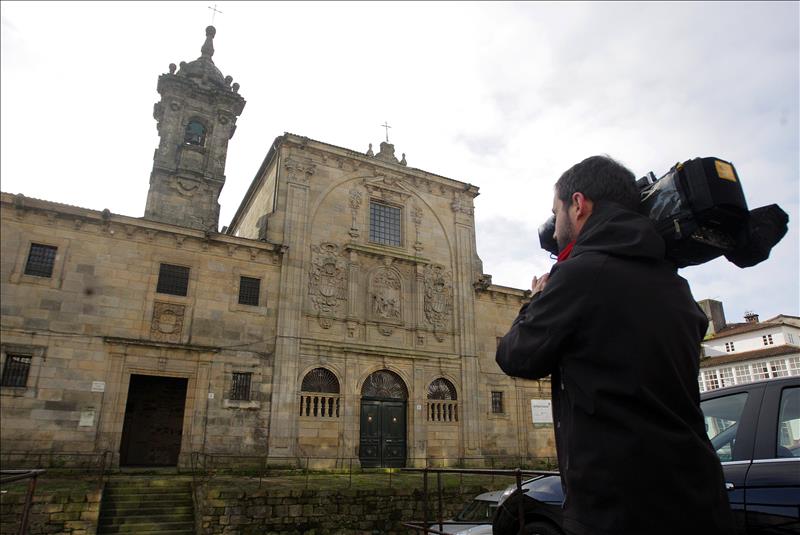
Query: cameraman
{"points": [[619, 332]]}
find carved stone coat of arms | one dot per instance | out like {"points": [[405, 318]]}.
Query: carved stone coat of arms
{"points": [[438, 296], [327, 281]]}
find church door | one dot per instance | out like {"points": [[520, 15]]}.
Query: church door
{"points": [[151, 432], [383, 421]]}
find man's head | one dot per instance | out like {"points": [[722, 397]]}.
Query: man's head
{"points": [[595, 179]]}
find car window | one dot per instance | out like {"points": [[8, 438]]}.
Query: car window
{"points": [[477, 511], [546, 489], [722, 417], [789, 424]]}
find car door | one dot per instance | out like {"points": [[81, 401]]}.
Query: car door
{"points": [[773, 481], [730, 424]]}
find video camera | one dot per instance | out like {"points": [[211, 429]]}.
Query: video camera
{"points": [[699, 209]]}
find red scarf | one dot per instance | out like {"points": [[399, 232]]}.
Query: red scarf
{"points": [[563, 255]]}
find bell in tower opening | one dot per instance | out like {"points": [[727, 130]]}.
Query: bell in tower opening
{"points": [[196, 117]]}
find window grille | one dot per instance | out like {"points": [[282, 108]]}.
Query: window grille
{"points": [[729, 347], [726, 377], [712, 383], [384, 224], [15, 371], [240, 386], [779, 368], [743, 374], [320, 380], [320, 394], [794, 365], [384, 384], [442, 404], [249, 289], [173, 280], [41, 260], [497, 402], [760, 371], [767, 338]]}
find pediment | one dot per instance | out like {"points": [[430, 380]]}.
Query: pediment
{"points": [[389, 187]]}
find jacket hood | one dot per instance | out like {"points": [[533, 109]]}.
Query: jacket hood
{"points": [[618, 231]]}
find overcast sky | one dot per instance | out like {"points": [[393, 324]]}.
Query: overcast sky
{"points": [[505, 96]]}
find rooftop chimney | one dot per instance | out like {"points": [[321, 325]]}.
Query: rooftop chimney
{"points": [[750, 317]]}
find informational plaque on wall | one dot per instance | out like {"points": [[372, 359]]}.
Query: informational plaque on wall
{"points": [[541, 411]]}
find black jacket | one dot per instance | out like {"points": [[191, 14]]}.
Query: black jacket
{"points": [[620, 333]]}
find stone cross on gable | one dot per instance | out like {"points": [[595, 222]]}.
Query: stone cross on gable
{"points": [[387, 127], [215, 11]]}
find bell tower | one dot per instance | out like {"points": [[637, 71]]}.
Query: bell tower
{"points": [[196, 117]]}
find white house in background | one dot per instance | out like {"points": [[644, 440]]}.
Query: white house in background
{"points": [[745, 352]]}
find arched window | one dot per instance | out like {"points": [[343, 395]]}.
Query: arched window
{"points": [[442, 404], [320, 380], [319, 396], [384, 384], [441, 388], [195, 133]]}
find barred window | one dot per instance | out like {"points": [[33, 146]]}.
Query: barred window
{"points": [[173, 280], [249, 288], [15, 370], [240, 386], [497, 402], [384, 224], [41, 259]]}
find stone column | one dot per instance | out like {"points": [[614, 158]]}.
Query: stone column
{"points": [[283, 424], [465, 322]]}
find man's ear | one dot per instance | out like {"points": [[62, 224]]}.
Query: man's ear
{"points": [[583, 206]]}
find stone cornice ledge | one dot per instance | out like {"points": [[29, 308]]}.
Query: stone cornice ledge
{"points": [[373, 250]]}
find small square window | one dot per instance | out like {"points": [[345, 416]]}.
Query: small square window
{"points": [[173, 280], [15, 371], [497, 402], [729, 347], [240, 386], [41, 259], [249, 288], [384, 224], [767, 340]]}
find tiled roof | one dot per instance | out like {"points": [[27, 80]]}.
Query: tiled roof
{"points": [[739, 328], [774, 351]]}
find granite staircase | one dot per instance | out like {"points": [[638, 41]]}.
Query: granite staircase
{"points": [[148, 505]]}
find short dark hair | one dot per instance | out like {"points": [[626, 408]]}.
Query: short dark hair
{"points": [[599, 178]]}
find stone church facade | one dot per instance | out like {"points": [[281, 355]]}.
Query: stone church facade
{"points": [[343, 313]]}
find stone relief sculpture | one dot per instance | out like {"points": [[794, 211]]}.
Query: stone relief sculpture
{"points": [[355, 203], [327, 281], [385, 295], [167, 322], [438, 298]]}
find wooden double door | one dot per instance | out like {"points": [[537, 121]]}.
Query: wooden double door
{"points": [[383, 433], [153, 426]]}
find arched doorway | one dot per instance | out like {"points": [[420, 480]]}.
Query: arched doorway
{"points": [[383, 420]]}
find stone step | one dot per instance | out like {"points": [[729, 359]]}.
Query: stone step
{"points": [[148, 509], [143, 519], [146, 527]]}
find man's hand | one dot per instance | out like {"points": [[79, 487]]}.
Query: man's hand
{"points": [[538, 283]]}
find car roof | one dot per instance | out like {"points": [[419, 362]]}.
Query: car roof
{"points": [[749, 386]]}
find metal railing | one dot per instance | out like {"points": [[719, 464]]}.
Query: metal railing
{"points": [[426, 527], [10, 476], [206, 466]]}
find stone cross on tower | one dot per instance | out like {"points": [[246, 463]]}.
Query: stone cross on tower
{"points": [[387, 127]]}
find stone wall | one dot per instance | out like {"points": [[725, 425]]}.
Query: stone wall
{"points": [[324, 511], [63, 512]]}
